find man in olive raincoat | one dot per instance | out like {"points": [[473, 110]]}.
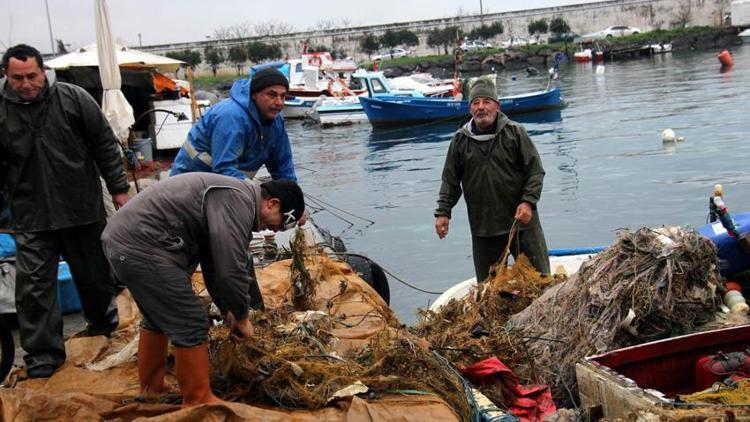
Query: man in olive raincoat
{"points": [[494, 163]]}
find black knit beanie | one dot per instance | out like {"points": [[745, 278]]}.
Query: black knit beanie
{"points": [[267, 77]]}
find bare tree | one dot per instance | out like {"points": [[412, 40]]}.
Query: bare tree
{"points": [[721, 12], [241, 30], [683, 15], [345, 23], [271, 28], [323, 25], [61, 49], [223, 33]]}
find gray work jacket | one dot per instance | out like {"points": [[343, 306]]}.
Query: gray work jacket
{"points": [[192, 218]]}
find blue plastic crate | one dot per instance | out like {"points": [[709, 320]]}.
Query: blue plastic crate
{"points": [[67, 295], [7, 245]]}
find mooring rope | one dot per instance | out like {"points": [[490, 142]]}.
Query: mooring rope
{"points": [[387, 272]]}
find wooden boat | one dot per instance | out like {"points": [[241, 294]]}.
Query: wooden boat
{"points": [[402, 110], [645, 379]]}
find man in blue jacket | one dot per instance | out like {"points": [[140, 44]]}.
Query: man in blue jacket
{"points": [[242, 133]]}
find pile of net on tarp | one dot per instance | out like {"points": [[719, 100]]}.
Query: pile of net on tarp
{"points": [[346, 342], [650, 284], [473, 328], [349, 344]]}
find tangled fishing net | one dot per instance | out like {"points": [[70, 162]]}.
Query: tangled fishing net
{"points": [[330, 338], [474, 328], [649, 285], [733, 391]]}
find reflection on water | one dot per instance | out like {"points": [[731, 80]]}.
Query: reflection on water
{"points": [[606, 164]]}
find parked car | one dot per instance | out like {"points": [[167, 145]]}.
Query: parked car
{"points": [[390, 53], [474, 45], [619, 31], [517, 41], [564, 37]]}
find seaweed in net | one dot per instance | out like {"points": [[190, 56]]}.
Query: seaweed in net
{"points": [[473, 328], [303, 285], [290, 360], [650, 284]]}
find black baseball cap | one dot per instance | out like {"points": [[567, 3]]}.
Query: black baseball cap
{"points": [[291, 197]]}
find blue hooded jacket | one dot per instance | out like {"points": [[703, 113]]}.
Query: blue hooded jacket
{"points": [[234, 139]]}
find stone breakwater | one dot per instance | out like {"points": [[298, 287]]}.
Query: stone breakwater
{"points": [[542, 58]]}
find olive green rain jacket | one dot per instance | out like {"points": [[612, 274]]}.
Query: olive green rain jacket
{"points": [[55, 147], [495, 172]]}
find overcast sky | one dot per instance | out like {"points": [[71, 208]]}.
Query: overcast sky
{"points": [[164, 21]]}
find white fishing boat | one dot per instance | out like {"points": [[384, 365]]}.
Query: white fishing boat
{"points": [[562, 261], [659, 48], [425, 83]]}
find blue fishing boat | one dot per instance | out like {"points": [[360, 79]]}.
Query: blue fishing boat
{"points": [[400, 110]]}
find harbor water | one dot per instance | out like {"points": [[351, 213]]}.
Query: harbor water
{"points": [[607, 167]]}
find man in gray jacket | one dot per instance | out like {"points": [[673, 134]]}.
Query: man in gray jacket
{"points": [[494, 162], [56, 142], [155, 241]]}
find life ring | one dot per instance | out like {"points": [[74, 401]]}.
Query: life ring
{"points": [[332, 91], [315, 61]]}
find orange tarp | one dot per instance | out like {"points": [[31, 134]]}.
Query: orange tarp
{"points": [[78, 391]]}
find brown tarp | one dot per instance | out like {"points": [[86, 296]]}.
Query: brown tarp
{"points": [[80, 392]]}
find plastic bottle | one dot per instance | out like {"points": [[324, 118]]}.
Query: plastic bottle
{"points": [[736, 302], [270, 249]]}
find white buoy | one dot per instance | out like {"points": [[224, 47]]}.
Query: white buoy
{"points": [[680, 139], [600, 69], [667, 135]]}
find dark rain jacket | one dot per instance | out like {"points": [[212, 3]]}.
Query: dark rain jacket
{"points": [[55, 148], [495, 173], [191, 218]]}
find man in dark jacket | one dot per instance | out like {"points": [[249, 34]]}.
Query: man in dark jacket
{"points": [[56, 143], [182, 221], [493, 160]]}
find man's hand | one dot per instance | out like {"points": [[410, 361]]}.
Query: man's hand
{"points": [[441, 226], [523, 213], [239, 329], [119, 200]]}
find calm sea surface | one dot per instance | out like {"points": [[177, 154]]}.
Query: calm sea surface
{"points": [[607, 167]]}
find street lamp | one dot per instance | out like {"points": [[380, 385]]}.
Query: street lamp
{"points": [[49, 25]]}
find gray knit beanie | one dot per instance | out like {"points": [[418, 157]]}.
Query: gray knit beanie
{"points": [[484, 86]]}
